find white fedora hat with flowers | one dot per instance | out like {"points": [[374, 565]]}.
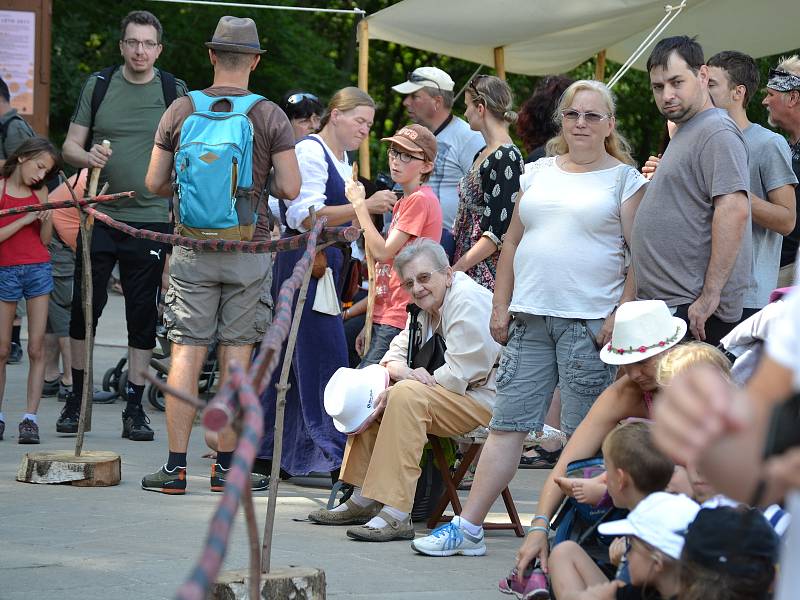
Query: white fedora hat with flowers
{"points": [[351, 394], [642, 329]]}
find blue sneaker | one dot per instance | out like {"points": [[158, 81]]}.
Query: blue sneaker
{"points": [[450, 539]]}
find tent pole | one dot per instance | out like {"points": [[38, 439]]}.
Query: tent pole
{"points": [[363, 76], [500, 62], [600, 66]]}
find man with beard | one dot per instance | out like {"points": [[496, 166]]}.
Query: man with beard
{"points": [[691, 241]]}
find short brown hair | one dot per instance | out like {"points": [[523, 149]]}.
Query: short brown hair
{"points": [[741, 70], [141, 17], [630, 448]]}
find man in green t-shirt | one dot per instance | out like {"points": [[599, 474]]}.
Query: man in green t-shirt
{"points": [[128, 117]]}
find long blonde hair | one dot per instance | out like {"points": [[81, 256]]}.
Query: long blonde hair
{"points": [[346, 99], [616, 145], [689, 354]]}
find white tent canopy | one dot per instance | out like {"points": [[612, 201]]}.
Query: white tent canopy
{"points": [[553, 36]]}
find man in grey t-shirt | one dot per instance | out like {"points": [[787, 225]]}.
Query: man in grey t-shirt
{"points": [[691, 241], [733, 80], [429, 102]]}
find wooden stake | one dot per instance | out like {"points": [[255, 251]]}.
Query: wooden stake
{"points": [[600, 66], [87, 222], [363, 81], [280, 407], [500, 62]]}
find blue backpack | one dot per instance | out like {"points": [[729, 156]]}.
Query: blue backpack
{"points": [[214, 170]]}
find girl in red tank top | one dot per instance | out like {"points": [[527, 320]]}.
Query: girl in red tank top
{"points": [[25, 266]]}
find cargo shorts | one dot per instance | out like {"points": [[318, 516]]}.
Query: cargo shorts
{"points": [[217, 296]]}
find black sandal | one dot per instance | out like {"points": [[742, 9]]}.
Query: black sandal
{"points": [[545, 460]]}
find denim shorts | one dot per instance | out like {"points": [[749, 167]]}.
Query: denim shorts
{"points": [[382, 336], [542, 352], [25, 281]]}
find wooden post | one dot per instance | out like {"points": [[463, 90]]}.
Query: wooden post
{"points": [[500, 62], [600, 66], [363, 81], [87, 222], [280, 407]]}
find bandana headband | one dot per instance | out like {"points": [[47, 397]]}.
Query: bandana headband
{"points": [[781, 81]]}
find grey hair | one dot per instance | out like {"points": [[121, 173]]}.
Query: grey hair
{"points": [[421, 246], [447, 96]]}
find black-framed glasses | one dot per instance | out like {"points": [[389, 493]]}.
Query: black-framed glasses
{"points": [[420, 278], [422, 79], [300, 97], [589, 117], [133, 44], [403, 157]]}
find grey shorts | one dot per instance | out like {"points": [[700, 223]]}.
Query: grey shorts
{"points": [[541, 353], [58, 309], [217, 296]]}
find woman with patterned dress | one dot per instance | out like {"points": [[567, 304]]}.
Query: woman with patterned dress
{"points": [[488, 192]]}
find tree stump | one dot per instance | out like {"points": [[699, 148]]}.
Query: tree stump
{"points": [[282, 583], [93, 468]]}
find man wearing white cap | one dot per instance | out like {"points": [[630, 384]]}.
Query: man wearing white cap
{"points": [[429, 102]]}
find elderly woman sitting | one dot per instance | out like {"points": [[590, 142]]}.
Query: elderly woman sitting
{"points": [[382, 458]]}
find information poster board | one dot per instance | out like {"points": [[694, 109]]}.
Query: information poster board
{"points": [[18, 57]]}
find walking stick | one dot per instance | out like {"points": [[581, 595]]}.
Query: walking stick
{"points": [[371, 287], [87, 223]]}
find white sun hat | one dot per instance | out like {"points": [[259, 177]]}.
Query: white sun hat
{"points": [[659, 520], [351, 393], [642, 329]]}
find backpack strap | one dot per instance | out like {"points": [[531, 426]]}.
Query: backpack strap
{"points": [[4, 125], [103, 80], [239, 104], [169, 87]]}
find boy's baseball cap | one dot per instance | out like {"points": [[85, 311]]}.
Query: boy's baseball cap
{"points": [[415, 138]]}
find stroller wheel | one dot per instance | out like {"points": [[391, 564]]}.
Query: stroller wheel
{"points": [[113, 375], [155, 396], [122, 385]]}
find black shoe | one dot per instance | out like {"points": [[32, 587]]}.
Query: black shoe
{"points": [[68, 421], [50, 388], [15, 356], [136, 425], [63, 390]]}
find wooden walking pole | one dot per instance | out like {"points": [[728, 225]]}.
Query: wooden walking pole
{"points": [[363, 81], [280, 406], [87, 223], [371, 287]]}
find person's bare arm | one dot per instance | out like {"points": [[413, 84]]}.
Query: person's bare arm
{"points": [[159, 174], [286, 180], [727, 227], [481, 250], [45, 220], [504, 279], [75, 153], [778, 212]]}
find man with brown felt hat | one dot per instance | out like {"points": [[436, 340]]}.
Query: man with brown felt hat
{"points": [[218, 295]]}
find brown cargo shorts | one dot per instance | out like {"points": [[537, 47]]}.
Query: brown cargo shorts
{"points": [[217, 296]]}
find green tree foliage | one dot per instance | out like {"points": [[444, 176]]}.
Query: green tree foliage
{"points": [[315, 52]]}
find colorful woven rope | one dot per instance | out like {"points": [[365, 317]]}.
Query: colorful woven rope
{"points": [[58, 204]]}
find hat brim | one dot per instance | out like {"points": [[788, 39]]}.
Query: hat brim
{"points": [[234, 48], [348, 428], [406, 144], [407, 87], [616, 528], [615, 358]]}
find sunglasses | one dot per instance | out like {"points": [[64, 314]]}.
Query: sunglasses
{"points": [[403, 157], [420, 79], [300, 97], [421, 278], [589, 117]]}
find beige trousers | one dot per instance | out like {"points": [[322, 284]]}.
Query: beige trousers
{"points": [[786, 276], [384, 459]]}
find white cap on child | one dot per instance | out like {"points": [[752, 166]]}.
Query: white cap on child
{"points": [[659, 520]]}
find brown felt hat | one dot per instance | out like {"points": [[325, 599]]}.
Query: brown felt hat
{"points": [[415, 138], [234, 34]]}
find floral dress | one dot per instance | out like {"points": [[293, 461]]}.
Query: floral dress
{"points": [[486, 201]]}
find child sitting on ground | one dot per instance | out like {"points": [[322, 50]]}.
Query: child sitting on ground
{"points": [[654, 531], [635, 468]]}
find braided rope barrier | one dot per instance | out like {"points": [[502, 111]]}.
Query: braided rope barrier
{"points": [[242, 390], [59, 204]]}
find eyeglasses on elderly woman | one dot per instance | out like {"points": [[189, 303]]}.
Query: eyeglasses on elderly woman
{"points": [[420, 278]]}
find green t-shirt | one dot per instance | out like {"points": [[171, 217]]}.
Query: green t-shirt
{"points": [[128, 117], [17, 131]]}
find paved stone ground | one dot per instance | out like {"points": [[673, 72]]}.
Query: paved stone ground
{"points": [[62, 542]]}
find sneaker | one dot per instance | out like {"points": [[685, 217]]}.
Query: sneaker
{"points": [[166, 482], [68, 421], [28, 432], [63, 390], [51, 388], [258, 482], [354, 515], [2, 429], [449, 540], [136, 425], [15, 356], [532, 587], [393, 530]]}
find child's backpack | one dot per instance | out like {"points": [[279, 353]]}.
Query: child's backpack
{"points": [[214, 170]]}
